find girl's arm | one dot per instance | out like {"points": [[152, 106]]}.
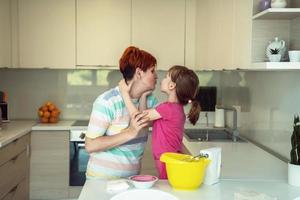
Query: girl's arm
{"points": [[124, 89], [152, 114], [143, 100]]}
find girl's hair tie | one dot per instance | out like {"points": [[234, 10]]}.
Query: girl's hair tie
{"points": [[190, 101]]}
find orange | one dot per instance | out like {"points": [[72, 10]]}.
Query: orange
{"points": [[46, 114], [54, 113], [53, 120], [40, 113], [44, 108], [48, 103], [44, 120], [51, 107]]}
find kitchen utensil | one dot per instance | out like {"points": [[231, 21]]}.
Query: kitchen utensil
{"points": [[143, 181], [184, 175], [213, 170], [195, 158], [219, 117]]}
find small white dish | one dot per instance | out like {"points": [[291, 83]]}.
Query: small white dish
{"points": [[148, 194], [143, 181]]}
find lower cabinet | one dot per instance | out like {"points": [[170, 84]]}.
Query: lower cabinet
{"points": [[14, 169], [49, 165]]}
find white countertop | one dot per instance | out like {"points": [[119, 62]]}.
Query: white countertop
{"points": [[244, 160], [62, 125], [13, 130], [225, 190]]}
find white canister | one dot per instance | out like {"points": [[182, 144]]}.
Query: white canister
{"points": [[294, 56], [219, 117], [278, 3], [213, 170], [294, 174]]}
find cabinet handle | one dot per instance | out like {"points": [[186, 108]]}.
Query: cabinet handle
{"points": [[14, 158], [15, 141], [14, 189]]}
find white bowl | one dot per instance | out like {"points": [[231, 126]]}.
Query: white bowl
{"points": [[143, 181]]}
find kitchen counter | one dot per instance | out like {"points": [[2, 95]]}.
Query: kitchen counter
{"points": [[13, 130], [244, 160], [225, 190], [62, 125]]}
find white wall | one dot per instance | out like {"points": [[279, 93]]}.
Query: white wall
{"points": [[268, 103]]}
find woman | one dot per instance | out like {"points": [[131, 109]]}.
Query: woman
{"points": [[114, 139]]}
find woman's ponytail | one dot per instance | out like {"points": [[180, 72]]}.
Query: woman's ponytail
{"points": [[194, 112]]}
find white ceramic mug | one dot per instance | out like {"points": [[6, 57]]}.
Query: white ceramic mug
{"points": [[294, 56]]}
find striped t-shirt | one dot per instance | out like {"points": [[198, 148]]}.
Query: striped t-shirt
{"points": [[109, 117]]}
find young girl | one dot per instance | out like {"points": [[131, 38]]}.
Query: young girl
{"points": [[180, 85]]}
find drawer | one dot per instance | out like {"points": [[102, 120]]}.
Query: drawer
{"points": [[13, 172], [20, 192], [14, 148]]}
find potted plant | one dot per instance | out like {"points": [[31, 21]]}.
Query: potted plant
{"points": [[274, 55], [294, 165]]}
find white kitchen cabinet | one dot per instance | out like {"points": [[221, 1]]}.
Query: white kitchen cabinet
{"points": [[46, 33], [222, 34], [103, 31], [49, 165], [14, 169], [5, 33], [159, 28]]}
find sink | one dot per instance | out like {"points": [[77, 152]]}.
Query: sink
{"points": [[208, 135]]}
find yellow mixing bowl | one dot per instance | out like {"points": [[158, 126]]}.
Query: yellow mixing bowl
{"points": [[183, 172]]}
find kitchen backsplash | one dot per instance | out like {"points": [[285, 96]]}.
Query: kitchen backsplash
{"points": [[73, 91], [267, 100]]}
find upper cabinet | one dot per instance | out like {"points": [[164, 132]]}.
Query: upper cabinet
{"points": [[46, 33], [220, 31], [5, 33], [103, 31], [283, 23], [159, 27]]}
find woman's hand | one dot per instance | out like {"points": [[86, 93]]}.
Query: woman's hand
{"points": [[137, 123], [124, 87]]}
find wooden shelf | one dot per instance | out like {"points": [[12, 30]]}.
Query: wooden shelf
{"points": [[275, 66], [278, 13]]}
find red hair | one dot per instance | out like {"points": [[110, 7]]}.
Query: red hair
{"points": [[134, 58]]}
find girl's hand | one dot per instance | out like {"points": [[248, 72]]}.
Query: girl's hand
{"points": [[147, 93], [124, 87]]}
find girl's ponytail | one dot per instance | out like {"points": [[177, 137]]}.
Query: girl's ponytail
{"points": [[194, 112]]}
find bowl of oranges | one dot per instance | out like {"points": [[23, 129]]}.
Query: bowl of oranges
{"points": [[48, 113]]}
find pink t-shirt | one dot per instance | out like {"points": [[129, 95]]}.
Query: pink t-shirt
{"points": [[168, 131]]}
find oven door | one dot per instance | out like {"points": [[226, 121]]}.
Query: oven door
{"points": [[78, 162]]}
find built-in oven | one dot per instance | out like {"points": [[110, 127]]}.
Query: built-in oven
{"points": [[78, 156]]}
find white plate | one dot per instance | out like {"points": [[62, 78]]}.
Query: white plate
{"points": [[144, 194]]}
